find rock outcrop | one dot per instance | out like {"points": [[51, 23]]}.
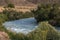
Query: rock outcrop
{"points": [[4, 36]]}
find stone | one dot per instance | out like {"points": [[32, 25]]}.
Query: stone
{"points": [[4, 36]]}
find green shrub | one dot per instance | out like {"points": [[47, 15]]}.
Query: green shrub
{"points": [[41, 14], [11, 5], [14, 15], [3, 18], [44, 32], [15, 36], [48, 13]]}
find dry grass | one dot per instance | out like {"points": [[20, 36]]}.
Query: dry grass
{"points": [[1, 8], [25, 8], [20, 8]]}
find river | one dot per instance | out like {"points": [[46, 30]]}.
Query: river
{"points": [[22, 25]]}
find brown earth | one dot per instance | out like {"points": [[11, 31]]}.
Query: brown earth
{"points": [[4, 36], [27, 2], [25, 5]]}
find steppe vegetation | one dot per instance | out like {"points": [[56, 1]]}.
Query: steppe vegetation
{"points": [[49, 13], [45, 14]]}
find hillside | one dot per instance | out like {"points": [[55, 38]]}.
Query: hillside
{"points": [[27, 2], [16, 2], [2, 2], [44, 1], [22, 3], [25, 5]]}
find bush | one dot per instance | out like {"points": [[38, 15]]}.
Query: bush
{"points": [[15, 36], [14, 15], [11, 5], [48, 13], [44, 32], [3, 18], [41, 14]]}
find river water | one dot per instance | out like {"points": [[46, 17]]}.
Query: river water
{"points": [[21, 26]]}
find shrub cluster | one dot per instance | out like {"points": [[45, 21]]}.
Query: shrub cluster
{"points": [[3, 18], [49, 13], [14, 15], [44, 32], [11, 5]]}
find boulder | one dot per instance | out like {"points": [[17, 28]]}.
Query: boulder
{"points": [[4, 36]]}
